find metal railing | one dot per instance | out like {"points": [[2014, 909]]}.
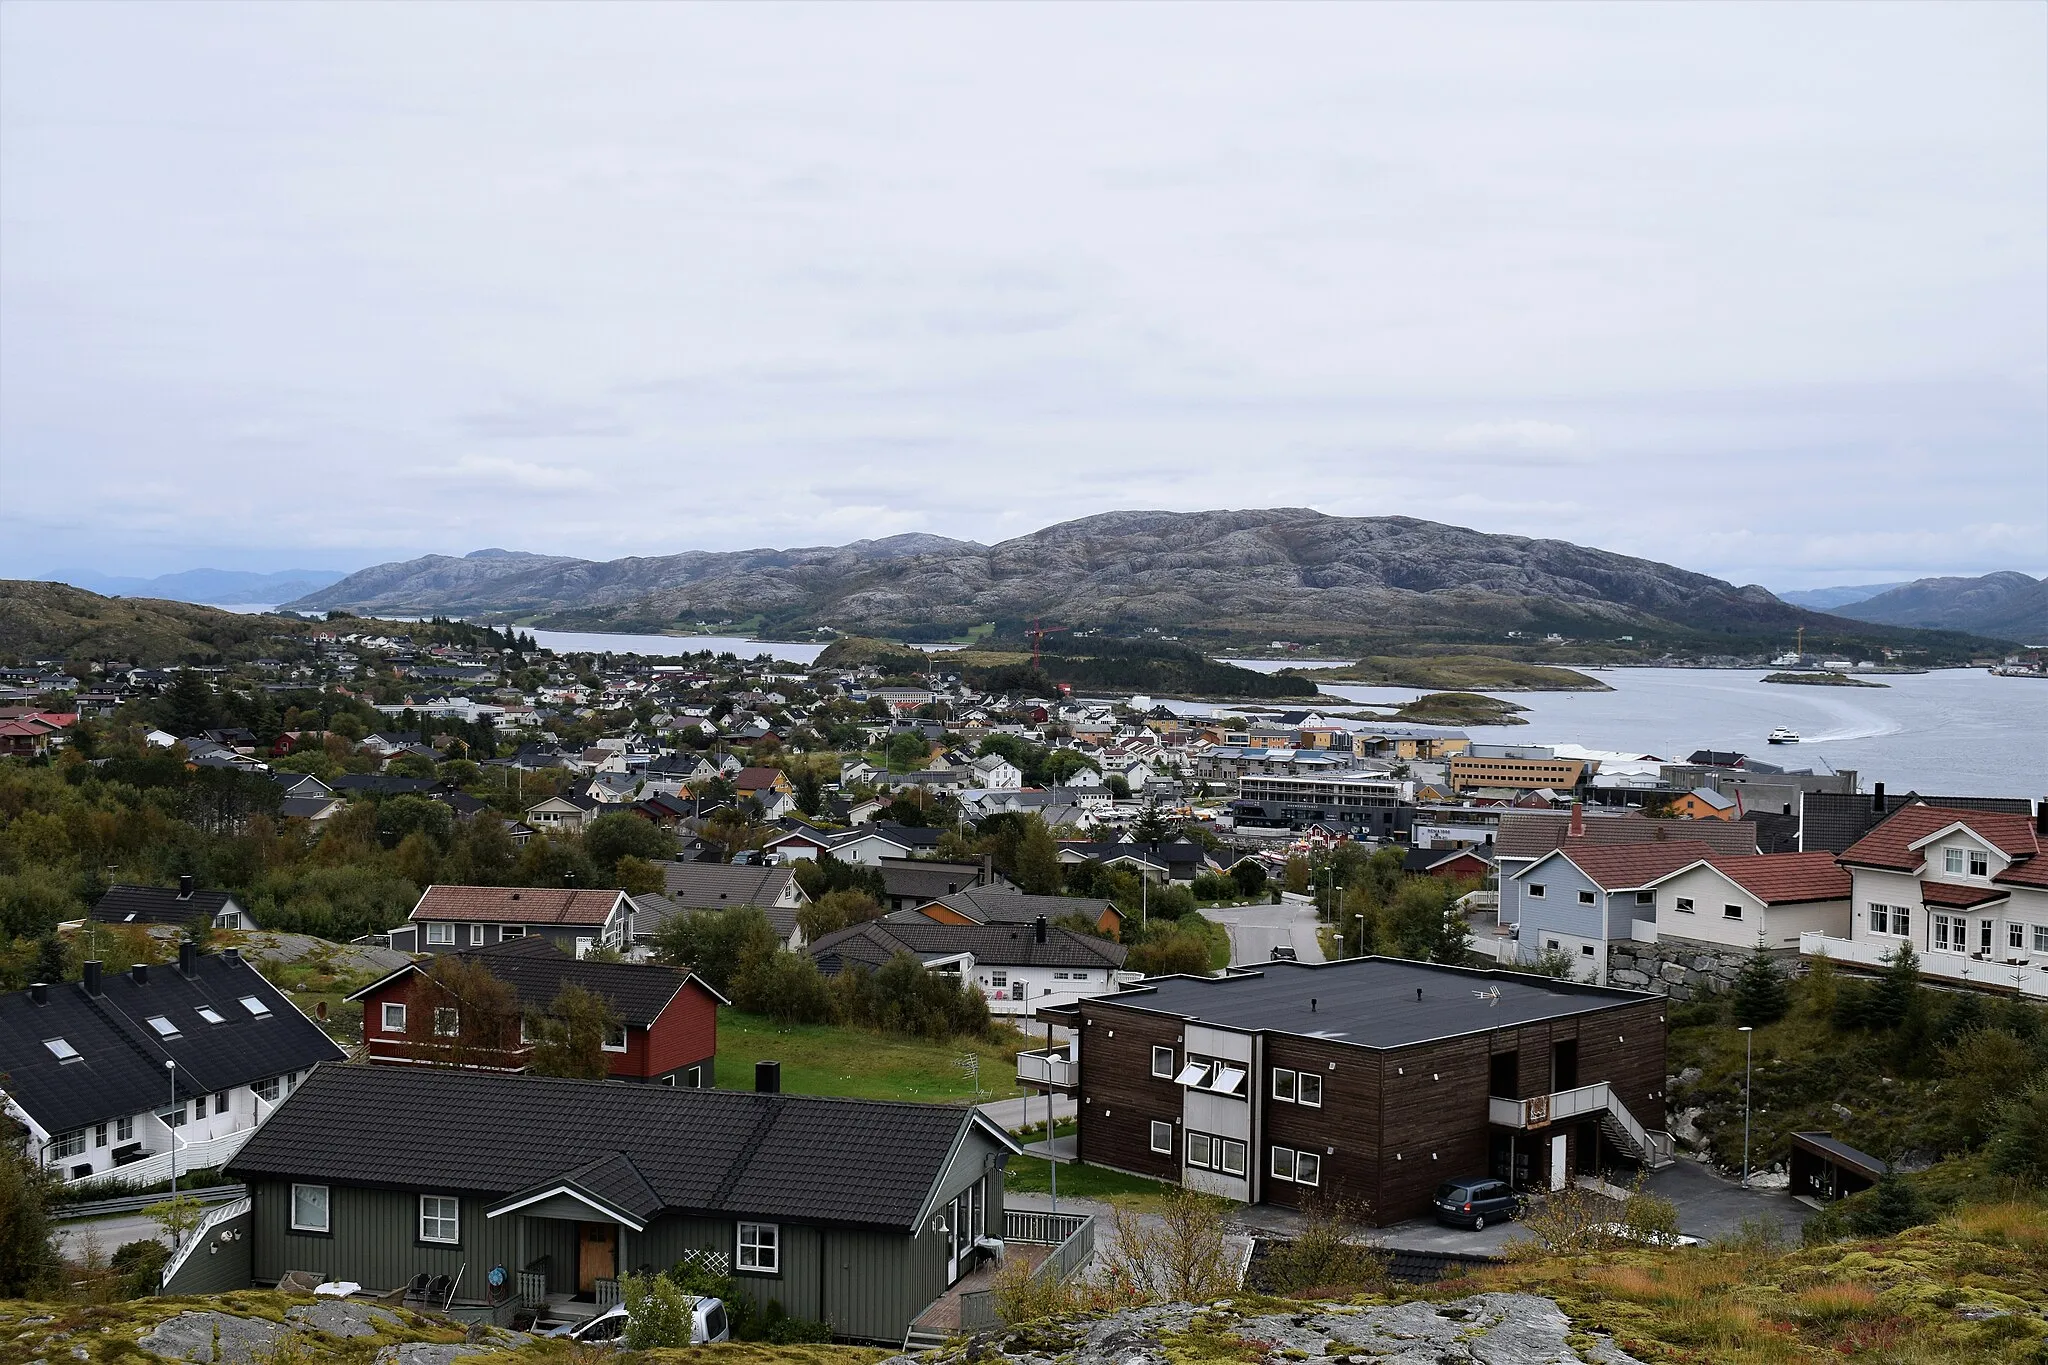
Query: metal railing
{"points": [[1047, 1066], [1072, 1239], [136, 1203], [213, 1219], [1042, 1229], [1564, 1105], [205, 1154]]}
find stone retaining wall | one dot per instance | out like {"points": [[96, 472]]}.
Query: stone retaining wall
{"points": [[1682, 968]]}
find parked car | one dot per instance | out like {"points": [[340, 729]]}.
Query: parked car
{"points": [[707, 1324], [1476, 1201], [1283, 952], [1622, 1232]]}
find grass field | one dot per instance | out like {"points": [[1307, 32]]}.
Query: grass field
{"points": [[1474, 672], [820, 1059], [1030, 1175]]}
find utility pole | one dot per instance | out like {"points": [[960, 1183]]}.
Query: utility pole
{"points": [[171, 1069], [1748, 1038]]}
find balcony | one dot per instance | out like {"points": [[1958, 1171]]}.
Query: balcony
{"points": [[1054, 1068], [1649, 1145], [2005, 969]]}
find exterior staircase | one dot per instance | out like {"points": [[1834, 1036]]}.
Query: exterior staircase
{"points": [[1650, 1146]]}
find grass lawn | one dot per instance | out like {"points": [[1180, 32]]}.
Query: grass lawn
{"points": [[1028, 1175], [821, 1059]]}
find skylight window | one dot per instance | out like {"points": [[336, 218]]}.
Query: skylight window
{"points": [[255, 1006], [62, 1050], [163, 1026], [211, 1015]]}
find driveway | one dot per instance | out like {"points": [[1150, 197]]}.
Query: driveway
{"points": [[1255, 930], [110, 1234], [1015, 1113]]}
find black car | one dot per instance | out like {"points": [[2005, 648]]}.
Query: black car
{"points": [[1474, 1202]]}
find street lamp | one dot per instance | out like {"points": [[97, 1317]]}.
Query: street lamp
{"points": [[1748, 1040], [171, 1070]]}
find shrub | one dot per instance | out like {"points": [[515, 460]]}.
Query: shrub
{"points": [[658, 1312], [1210, 886], [1327, 1254], [786, 987], [1250, 879], [1894, 1206], [2019, 1137]]}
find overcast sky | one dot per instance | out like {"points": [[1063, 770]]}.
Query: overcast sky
{"points": [[1757, 290]]}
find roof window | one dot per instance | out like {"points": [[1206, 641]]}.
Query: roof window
{"points": [[255, 1006], [211, 1015], [163, 1026], [62, 1050]]}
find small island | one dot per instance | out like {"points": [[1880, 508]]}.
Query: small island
{"points": [[1821, 680], [1458, 671], [1459, 708]]}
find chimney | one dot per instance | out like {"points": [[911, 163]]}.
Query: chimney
{"points": [[1038, 930], [1578, 825], [988, 869], [1877, 799], [768, 1078], [92, 977], [2041, 817], [233, 955], [185, 887], [1311, 1004], [188, 959], [40, 992], [1418, 995], [140, 973]]}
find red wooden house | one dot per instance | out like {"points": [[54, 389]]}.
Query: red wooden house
{"points": [[668, 1017]]}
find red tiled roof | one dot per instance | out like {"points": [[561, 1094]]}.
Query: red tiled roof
{"points": [[1621, 866], [753, 779], [516, 904], [1787, 878], [1960, 895], [1531, 834], [1891, 843]]}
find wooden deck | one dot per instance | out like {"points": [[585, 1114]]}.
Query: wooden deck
{"points": [[942, 1318]]}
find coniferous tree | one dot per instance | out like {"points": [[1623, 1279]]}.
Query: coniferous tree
{"points": [[1896, 990], [1760, 996], [1894, 1206]]}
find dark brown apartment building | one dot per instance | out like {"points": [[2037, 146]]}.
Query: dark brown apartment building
{"points": [[1372, 1079]]}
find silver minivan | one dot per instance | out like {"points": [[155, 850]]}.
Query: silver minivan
{"points": [[707, 1324]]}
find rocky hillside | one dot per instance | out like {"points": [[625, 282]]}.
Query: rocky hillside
{"points": [[57, 621], [1246, 575], [2006, 606]]}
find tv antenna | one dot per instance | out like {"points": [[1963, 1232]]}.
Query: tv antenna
{"points": [[1490, 996]]}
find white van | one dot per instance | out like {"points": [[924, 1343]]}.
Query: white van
{"points": [[707, 1323]]}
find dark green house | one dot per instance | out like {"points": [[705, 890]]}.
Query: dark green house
{"points": [[851, 1212]]}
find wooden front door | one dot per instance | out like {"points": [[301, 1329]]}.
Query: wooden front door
{"points": [[597, 1255]]}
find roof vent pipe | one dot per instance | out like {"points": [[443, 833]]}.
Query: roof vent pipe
{"points": [[1311, 1004], [185, 887], [768, 1078], [140, 973], [2041, 816], [92, 977], [188, 959], [40, 992], [1038, 930]]}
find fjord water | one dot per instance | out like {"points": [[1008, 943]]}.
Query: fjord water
{"points": [[1953, 732]]}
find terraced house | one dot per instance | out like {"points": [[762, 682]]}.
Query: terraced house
{"points": [[527, 1192], [1374, 1079]]}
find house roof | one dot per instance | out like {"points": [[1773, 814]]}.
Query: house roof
{"points": [[715, 886], [1423, 859], [1960, 895], [925, 879], [516, 904], [754, 779], [1625, 867], [1368, 1001], [1533, 833], [991, 905], [120, 1070], [716, 1153], [1787, 878], [1836, 820], [537, 970], [874, 942], [125, 904], [1891, 844]]}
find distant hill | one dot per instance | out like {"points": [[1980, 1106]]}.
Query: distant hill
{"points": [[2005, 606], [1243, 577], [58, 621], [218, 587], [1831, 599]]}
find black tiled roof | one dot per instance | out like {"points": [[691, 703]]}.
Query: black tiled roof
{"points": [[121, 1068], [1832, 821], [383, 784], [157, 905], [796, 1158], [994, 905], [999, 945]]}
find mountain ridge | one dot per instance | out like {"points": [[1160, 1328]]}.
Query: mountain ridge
{"points": [[1242, 574], [2005, 605]]}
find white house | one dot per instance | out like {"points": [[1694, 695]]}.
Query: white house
{"points": [[1771, 898], [993, 771], [1968, 889]]}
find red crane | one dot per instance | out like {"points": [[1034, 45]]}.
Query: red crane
{"points": [[1037, 633]]}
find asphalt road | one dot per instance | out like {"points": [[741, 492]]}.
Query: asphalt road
{"points": [[1255, 930], [1008, 1114], [110, 1233]]}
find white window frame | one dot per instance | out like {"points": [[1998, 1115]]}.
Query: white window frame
{"points": [[1980, 863], [1308, 1168], [476, 935], [1200, 1150], [2015, 935], [268, 1089], [1536, 891], [392, 1018], [124, 1129], [61, 1049], [220, 1102], [67, 1144], [447, 1021], [2041, 938], [326, 1223], [607, 1045], [1281, 1164], [163, 1026], [1308, 1090], [1167, 1074], [1587, 898], [506, 931], [1902, 921], [198, 1108], [1938, 932], [1162, 1137], [438, 932], [1730, 910], [1880, 918], [257, 1009], [1230, 1156], [756, 1253], [1684, 905], [1283, 1084], [209, 1014], [447, 1210], [1953, 861], [99, 1135]]}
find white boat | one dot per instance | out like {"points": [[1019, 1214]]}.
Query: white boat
{"points": [[1782, 735]]}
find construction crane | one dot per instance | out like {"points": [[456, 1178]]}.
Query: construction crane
{"points": [[1037, 634]]}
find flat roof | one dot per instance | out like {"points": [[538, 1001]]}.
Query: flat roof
{"points": [[1369, 1001]]}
